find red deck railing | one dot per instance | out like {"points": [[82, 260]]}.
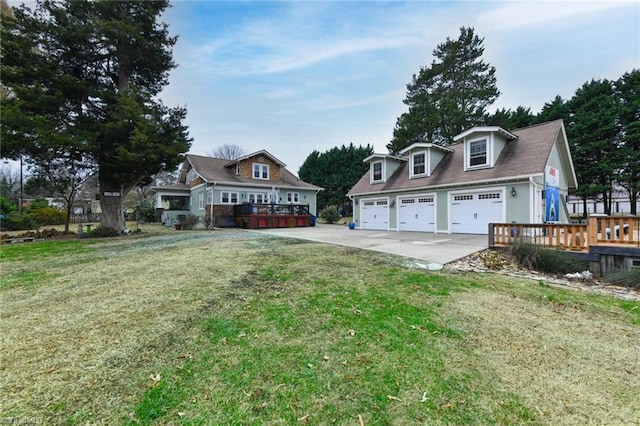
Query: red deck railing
{"points": [[255, 216]]}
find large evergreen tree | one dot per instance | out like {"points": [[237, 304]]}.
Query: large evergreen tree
{"points": [[556, 109], [82, 78], [449, 96], [336, 170], [628, 93], [509, 119], [594, 137]]}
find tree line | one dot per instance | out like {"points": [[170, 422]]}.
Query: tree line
{"points": [[79, 90], [453, 94]]}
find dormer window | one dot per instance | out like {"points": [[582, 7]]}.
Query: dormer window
{"points": [[376, 171], [261, 171], [478, 153], [418, 164]]}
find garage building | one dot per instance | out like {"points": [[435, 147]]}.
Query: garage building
{"points": [[488, 175]]}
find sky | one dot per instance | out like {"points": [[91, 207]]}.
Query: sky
{"points": [[291, 77]]}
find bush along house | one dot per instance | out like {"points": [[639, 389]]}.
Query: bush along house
{"points": [[487, 175], [254, 191]]}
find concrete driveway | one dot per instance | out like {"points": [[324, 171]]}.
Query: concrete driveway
{"points": [[430, 248]]}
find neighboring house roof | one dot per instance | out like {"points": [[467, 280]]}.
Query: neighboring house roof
{"points": [[524, 156], [221, 171]]}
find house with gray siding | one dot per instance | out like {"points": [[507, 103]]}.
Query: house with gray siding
{"points": [[210, 188]]}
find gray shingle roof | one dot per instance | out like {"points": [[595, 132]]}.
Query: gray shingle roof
{"points": [[525, 156], [213, 170]]}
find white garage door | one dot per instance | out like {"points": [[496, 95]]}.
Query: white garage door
{"points": [[375, 214], [416, 214], [471, 213]]}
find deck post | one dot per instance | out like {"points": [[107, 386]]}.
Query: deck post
{"points": [[492, 237], [592, 231]]}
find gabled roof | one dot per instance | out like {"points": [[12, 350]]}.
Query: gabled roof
{"points": [[508, 135], [525, 156], [383, 156], [216, 171], [425, 145], [255, 154]]}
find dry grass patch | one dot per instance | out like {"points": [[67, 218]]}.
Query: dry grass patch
{"points": [[76, 343], [562, 358], [232, 327]]}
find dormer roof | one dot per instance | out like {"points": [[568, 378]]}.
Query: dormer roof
{"points": [[423, 145], [488, 129], [525, 155], [383, 157]]}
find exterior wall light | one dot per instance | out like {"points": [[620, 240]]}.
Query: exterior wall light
{"points": [[513, 192]]}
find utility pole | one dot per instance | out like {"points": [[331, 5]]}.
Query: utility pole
{"points": [[21, 192]]}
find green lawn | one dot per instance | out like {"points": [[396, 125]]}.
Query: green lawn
{"points": [[230, 327]]}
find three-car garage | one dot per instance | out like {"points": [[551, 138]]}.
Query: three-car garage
{"points": [[468, 212]]}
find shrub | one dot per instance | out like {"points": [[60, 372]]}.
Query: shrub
{"points": [[49, 216], [102, 232], [629, 279], [145, 211], [188, 221], [18, 222], [330, 214], [539, 258]]}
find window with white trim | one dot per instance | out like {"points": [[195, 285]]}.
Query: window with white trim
{"points": [[478, 153], [293, 197], [201, 201], [376, 171], [419, 161], [258, 198], [209, 197], [228, 197], [260, 171]]}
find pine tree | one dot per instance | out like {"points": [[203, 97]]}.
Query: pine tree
{"points": [[449, 96], [337, 171], [83, 77], [628, 92], [594, 137]]}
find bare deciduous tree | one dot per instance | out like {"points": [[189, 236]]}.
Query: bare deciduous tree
{"points": [[228, 152]]}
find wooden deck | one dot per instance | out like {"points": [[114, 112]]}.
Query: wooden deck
{"points": [[623, 231], [260, 216]]}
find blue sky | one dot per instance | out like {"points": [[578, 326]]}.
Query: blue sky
{"points": [[294, 76]]}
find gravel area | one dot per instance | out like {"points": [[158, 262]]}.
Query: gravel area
{"points": [[475, 263]]}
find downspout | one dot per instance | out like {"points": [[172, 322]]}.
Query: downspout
{"points": [[537, 204], [211, 207]]}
